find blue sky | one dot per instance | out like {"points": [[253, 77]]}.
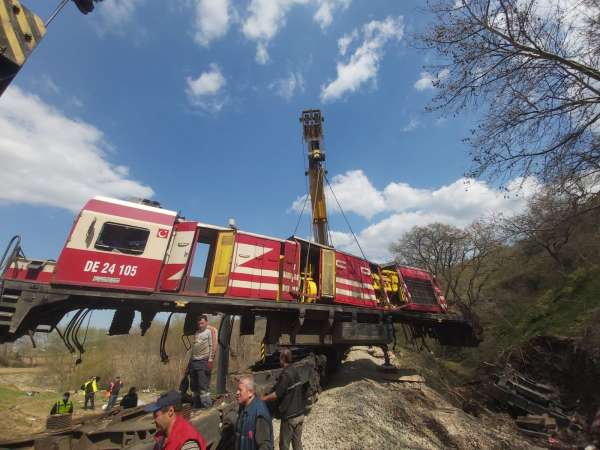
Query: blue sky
{"points": [[195, 103]]}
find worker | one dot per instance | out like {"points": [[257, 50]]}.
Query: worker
{"points": [[254, 428], [184, 385], [173, 432], [63, 406], [90, 388], [201, 362], [129, 400], [290, 394], [113, 389], [213, 336]]}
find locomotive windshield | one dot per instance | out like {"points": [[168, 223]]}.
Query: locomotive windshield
{"points": [[122, 238]]}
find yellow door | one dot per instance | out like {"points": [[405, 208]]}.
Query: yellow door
{"points": [[222, 263]]}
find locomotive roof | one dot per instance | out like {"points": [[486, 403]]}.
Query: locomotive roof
{"points": [[135, 205]]}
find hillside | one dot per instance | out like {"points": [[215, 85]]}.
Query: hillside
{"points": [[539, 315]]}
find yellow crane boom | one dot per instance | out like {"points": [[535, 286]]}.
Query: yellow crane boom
{"points": [[312, 123]]}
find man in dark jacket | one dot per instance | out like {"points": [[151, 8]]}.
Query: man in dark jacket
{"points": [[130, 400], [289, 393], [254, 428], [113, 389]]}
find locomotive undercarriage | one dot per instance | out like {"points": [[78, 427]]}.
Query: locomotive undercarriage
{"points": [[26, 308]]}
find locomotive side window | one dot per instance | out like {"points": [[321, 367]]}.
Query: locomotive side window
{"points": [[122, 238]]}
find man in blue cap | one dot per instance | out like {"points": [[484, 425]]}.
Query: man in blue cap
{"points": [[173, 432]]}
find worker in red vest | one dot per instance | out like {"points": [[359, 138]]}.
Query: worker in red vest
{"points": [[173, 432]]}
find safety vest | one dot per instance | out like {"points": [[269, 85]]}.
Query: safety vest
{"points": [[64, 408], [94, 385]]}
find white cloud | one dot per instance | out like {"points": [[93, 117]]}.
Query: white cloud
{"points": [[289, 86], [411, 125], [345, 41], [212, 20], [262, 54], [324, 14], [48, 158], [207, 91], [364, 62], [265, 19], [464, 199], [428, 80], [45, 83], [354, 192], [116, 13], [402, 207], [76, 102]]}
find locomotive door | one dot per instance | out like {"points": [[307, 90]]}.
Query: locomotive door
{"points": [[178, 256], [219, 276]]}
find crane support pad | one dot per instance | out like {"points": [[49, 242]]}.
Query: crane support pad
{"points": [[20, 32]]}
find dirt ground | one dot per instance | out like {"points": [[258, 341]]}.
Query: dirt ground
{"points": [[28, 404], [366, 408], [362, 407]]}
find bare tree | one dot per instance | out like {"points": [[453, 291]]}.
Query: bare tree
{"points": [[532, 67], [460, 258], [436, 247], [551, 218]]}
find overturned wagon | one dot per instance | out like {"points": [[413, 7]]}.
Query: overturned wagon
{"points": [[139, 257]]}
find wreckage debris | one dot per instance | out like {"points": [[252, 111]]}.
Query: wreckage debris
{"points": [[524, 396], [537, 426], [549, 386]]}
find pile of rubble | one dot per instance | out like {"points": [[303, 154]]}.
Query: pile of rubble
{"points": [[550, 387]]}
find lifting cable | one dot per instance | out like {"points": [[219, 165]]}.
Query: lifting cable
{"points": [[62, 337], [60, 6], [164, 357], [305, 287], [69, 329], [362, 294], [307, 188], [185, 340], [75, 331], [345, 218], [80, 345], [306, 197]]}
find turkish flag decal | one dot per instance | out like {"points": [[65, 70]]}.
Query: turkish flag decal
{"points": [[162, 233]]}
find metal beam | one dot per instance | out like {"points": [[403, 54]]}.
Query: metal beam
{"points": [[225, 329]]}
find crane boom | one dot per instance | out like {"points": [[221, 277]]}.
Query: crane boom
{"points": [[20, 32], [312, 121]]}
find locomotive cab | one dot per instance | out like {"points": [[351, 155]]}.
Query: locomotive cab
{"points": [[116, 244]]}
